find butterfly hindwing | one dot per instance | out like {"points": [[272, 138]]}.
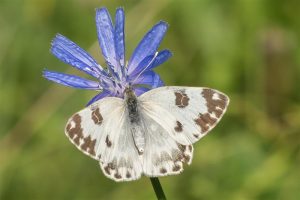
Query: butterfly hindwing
{"points": [[163, 155], [120, 161], [101, 131]]}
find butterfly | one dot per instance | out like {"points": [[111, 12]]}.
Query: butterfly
{"points": [[149, 135], [135, 126]]}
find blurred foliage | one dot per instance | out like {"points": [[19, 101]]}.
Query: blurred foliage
{"points": [[248, 49]]}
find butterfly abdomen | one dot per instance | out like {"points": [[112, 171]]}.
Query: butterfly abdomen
{"points": [[135, 121], [138, 138]]}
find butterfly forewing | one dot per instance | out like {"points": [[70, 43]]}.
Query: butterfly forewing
{"points": [[186, 113], [102, 132], [85, 126]]}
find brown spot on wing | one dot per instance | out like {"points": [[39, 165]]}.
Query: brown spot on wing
{"points": [[204, 121], [178, 127], [185, 152], [187, 158], [128, 175], [110, 167], [177, 155], [118, 169], [163, 170], [89, 145], [108, 142], [176, 168], [107, 170], [97, 117], [214, 105], [75, 133], [118, 176], [181, 147], [182, 100]]}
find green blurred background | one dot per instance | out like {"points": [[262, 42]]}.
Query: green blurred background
{"points": [[249, 49]]}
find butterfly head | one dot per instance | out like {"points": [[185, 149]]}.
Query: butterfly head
{"points": [[129, 92]]}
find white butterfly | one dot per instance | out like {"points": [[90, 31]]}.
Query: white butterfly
{"points": [[148, 135]]}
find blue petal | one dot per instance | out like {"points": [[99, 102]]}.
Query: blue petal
{"points": [[161, 57], [148, 45], [70, 53], [145, 63], [140, 90], [103, 94], [119, 36], [71, 80], [105, 32], [145, 79], [149, 78], [151, 63], [157, 82]]}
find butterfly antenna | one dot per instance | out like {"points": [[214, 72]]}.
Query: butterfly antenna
{"points": [[152, 60]]}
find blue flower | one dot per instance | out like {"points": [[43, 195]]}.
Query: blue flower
{"points": [[119, 74]]}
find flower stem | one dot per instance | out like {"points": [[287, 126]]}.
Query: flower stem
{"points": [[157, 188]]}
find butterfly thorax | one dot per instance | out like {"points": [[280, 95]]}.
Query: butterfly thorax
{"points": [[132, 106], [136, 127]]}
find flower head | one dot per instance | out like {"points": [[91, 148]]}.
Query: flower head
{"points": [[111, 81]]}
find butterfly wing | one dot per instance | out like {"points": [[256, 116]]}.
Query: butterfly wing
{"points": [[101, 132], [186, 113], [162, 155], [174, 118]]}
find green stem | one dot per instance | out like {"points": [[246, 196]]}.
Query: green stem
{"points": [[157, 188]]}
